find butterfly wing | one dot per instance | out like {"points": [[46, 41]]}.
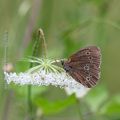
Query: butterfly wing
{"points": [[84, 66]]}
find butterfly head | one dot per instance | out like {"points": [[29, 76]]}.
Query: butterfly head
{"points": [[66, 67]]}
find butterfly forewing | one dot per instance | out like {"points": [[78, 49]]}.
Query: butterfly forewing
{"points": [[84, 66]]}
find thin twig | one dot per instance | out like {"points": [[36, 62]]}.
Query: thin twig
{"points": [[5, 53]]}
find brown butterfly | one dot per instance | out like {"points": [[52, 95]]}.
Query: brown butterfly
{"points": [[84, 66]]}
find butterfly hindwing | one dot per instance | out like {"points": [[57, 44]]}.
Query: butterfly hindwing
{"points": [[84, 66]]}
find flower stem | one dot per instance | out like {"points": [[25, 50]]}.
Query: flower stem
{"points": [[39, 37], [30, 102], [30, 109], [34, 54]]}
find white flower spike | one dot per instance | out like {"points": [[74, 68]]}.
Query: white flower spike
{"points": [[42, 78], [46, 73]]}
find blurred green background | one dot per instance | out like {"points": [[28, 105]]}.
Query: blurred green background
{"points": [[68, 26]]}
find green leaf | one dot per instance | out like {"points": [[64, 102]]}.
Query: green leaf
{"points": [[36, 90], [96, 97], [112, 107], [49, 107]]}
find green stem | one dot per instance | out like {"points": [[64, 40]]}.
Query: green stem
{"points": [[30, 109], [79, 110], [34, 53], [39, 37], [30, 102]]}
